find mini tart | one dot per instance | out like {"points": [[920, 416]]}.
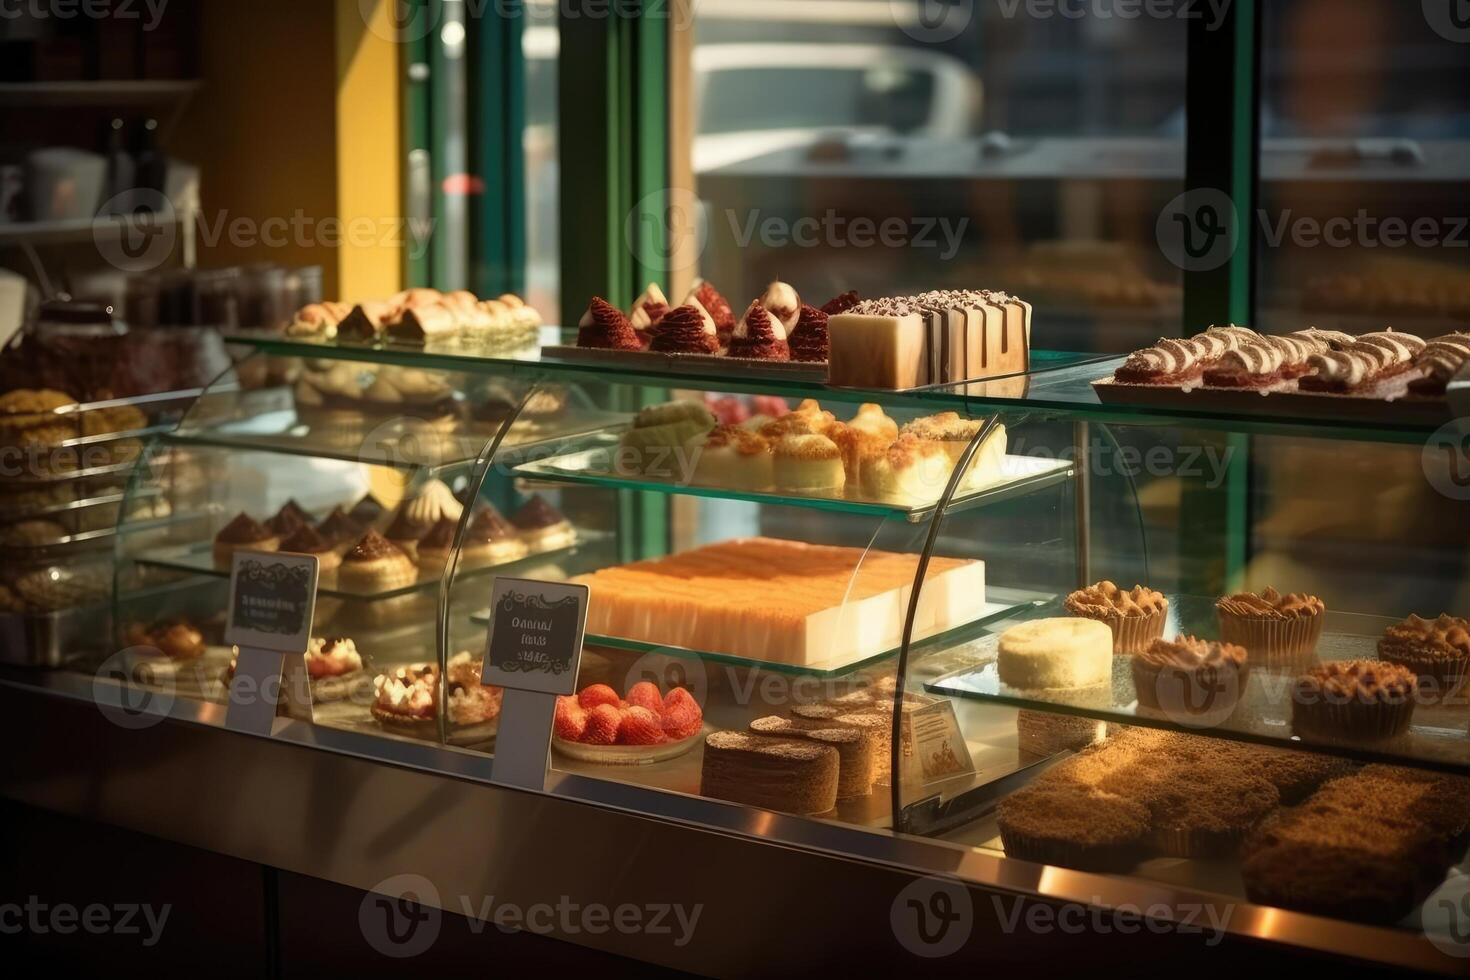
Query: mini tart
{"points": [[306, 540], [1354, 699], [376, 564], [1136, 617], [1273, 627], [244, 533], [491, 540], [331, 658], [1073, 827], [542, 527], [406, 701], [1437, 650], [1189, 676]]}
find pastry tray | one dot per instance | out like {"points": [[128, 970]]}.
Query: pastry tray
{"points": [[1389, 402], [198, 558], [1020, 475], [739, 368], [1437, 736]]}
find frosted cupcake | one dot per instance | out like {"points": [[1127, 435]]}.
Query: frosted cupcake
{"points": [[1136, 617], [1272, 626]]}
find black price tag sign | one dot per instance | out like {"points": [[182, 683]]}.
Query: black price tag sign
{"points": [[272, 601], [535, 638]]}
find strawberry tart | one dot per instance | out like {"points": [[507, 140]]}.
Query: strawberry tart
{"points": [[638, 727]]}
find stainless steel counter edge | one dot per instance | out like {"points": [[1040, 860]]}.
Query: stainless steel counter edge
{"points": [[358, 810]]}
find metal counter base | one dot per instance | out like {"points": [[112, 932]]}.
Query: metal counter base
{"points": [[774, 895]]}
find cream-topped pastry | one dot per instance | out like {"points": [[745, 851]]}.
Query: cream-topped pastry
{"points": [[873, 421], [605, 326], [376, 564], [435, 548], [1372, 358], [417, 515], [406, 700], [808, 418], [339, 530], [331, 657], [733, 458], [318, 320], [491, 539], [781, 300], [649, 309], [686, 329], [954, 434], [1056, 653], [307, 540], [809, 340], [807, 462], [244, 533], [910, 471], [709, 298], [760, 335], [542, 527]]}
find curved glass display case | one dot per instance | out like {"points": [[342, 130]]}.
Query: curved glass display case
{"points": [[864, 635]]}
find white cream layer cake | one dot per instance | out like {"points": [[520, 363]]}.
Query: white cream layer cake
{"points": [[782, 601]]}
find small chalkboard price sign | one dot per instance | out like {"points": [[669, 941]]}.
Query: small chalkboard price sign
{"points": [[535, 647], [272, 601]]}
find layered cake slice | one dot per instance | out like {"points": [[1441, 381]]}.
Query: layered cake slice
{"points": [[782, 601], [878, 344], [772, 773]]}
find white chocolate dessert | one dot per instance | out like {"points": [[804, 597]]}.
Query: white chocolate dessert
{"points": [[1048, 654], [782, 301]]}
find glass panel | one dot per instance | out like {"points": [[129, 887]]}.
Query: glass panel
{"points": [[897, 147]]}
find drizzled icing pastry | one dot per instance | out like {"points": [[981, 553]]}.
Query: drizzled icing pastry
{"points": [[781, 300], [760, 336], [709, 298], [1167, 362], [1250, 365], [1439, 361], [687, 329], [604, 326], [809, 340], [649, 309], [1371, 358]]}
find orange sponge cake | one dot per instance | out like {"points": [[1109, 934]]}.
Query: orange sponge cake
{"points": [[782, 601]]}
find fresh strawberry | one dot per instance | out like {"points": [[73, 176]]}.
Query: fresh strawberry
{"points": [[682, 716], [640, 727], [645, 694], [596, 694], [602, 725], [570, 721]]}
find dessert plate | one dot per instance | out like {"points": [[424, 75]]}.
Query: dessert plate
{"points": [[1389, 402], [700, 364], [626, 755]]}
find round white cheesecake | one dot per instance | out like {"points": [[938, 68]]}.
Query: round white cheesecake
{"points": [[1056, 653]]}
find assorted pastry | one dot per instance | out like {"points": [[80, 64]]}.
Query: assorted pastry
{"points": [[370, 548], [598, 715], [1190, 679], [1436, 650], [1275, 628], [177, 639], [1315, 361], [1136, 616], [422, 316], [406, 701], [808, 451], [777, 326]]}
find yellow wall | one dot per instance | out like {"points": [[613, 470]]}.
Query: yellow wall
{"points": [[296, 131]]}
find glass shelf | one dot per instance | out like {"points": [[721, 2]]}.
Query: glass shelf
{"points": [[198, 559], [1020, 475], [1436, 739], [1005, 604], [1059, 383]]}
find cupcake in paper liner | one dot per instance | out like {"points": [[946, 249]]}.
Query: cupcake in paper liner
{"points": [[1354, 700], [1437, 651], [1191, 682], [1073, 827], [1136, 616], [1277, 629]]}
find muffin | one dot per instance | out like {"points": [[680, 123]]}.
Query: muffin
{"points": [[1190, 679], [1073, 827], [1275, 628], [1136, 617], [1438, 651], [1354, 699]]}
